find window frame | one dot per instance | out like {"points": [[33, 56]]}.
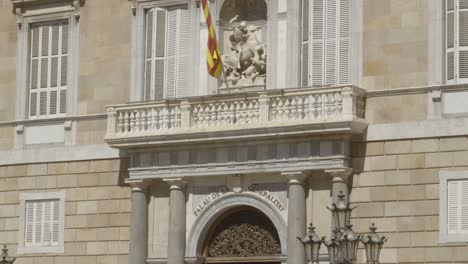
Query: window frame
{"points": [[444, 178], [138, 45], [24, 198], [26, 21]]}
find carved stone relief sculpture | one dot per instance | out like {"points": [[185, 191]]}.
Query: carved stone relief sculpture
{"points": [[245, 62]]}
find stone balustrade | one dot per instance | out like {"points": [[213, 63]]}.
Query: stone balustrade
{"points": [[217, 113]]}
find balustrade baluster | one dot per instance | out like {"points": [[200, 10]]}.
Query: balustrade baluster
{"points": [[294, 108], [195, 116], [274, 109], [300, 107], [143, 120], [177, 116], [120, 123], [280, 109]]}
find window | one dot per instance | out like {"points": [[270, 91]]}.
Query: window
{"points": [[48, 64], [454, 206], [325, 42], [166, 62], [456, 31], [42, 222]]}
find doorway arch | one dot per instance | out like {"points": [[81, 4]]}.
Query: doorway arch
{"points": [[206, 221]]}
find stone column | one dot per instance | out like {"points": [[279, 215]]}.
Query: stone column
{"points": [[139, 224], [296, 217], [177, 218]]}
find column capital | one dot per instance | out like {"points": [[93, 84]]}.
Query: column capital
{"points": [[138, 185], [176, 183], [295, 177], [342, 173]]}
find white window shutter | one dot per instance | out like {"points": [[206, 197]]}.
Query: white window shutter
{"points": [[183, 40], [457, 207], [463, 206], [48, 70], [331, 42], [29, 224], [456, 41], [172, 18], [42, 223], [155, 54], [149, 19], [305, 43], [318, 42], [344, 41], [463, 41], [55, 222], [160, 52]]}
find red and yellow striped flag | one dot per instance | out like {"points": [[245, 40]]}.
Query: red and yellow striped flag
{"points": [[213, 56]]}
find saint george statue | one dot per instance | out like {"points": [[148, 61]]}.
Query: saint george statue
{"points": [[245, 62]]}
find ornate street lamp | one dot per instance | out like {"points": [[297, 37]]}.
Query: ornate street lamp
{"points": [[341, 211], [349, 242], [333, 247], [343, 245], [5, 259], [311, 244], [373, 245]]}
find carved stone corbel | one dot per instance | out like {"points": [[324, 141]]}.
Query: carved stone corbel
{"points": [[134, 7], [77, 7], [19, 13]]}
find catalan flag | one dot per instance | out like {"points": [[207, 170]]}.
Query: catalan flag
{"points": [[213, 56]]}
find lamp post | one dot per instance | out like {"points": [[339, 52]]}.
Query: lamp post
{"points": [[373, 245], [5, 259], [343, 244]]}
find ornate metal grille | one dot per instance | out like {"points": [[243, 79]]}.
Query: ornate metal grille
{"points": [[244, 234]]}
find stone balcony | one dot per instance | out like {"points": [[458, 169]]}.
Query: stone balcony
{"points": [[252, 115]]}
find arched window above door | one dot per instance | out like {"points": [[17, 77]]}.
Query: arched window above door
{"points": [[245, 232]]}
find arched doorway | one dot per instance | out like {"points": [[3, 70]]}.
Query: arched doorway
{"points": [[242, 235]]}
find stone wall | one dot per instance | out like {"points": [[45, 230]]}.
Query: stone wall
{"points": [[96, 210], [396, 185], [395, 44]]}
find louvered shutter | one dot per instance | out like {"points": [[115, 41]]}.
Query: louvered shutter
{"points": [[172, 18], [328, 50], [166, 53], [450, 40], [42, 223], [305, 43], [48, 70], [182, 52], [463, 40], [318, 39], [331, 42], [457, 207], [149, 35], [344, 42], [457, 41], [29, 224]]}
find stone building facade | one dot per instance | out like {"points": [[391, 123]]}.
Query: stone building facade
{"points": [[116, 146]]}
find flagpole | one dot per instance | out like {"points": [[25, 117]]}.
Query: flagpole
{"points": [[224, 74]]}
